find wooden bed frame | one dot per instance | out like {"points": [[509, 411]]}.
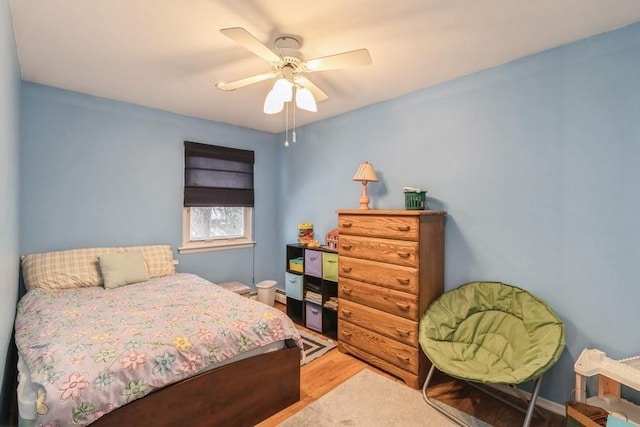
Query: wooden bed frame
{"points": [[242, 393]]}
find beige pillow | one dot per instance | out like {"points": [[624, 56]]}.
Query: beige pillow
{"points": [[68, 269], [123, 268]]}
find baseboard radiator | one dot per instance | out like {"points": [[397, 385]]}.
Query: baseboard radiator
{"points": [[281, 296]]}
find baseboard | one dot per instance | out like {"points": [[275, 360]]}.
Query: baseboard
{"points": [[549, 405], [281, 296]]}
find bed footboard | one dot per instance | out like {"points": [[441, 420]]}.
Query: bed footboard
{"points": [[239, 394]]}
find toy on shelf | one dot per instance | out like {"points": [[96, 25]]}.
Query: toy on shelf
{"points": [[611, 375], [305, 233], [313, 244], [332, 239]]}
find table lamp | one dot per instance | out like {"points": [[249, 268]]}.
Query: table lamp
{"points": [[365, 174]]}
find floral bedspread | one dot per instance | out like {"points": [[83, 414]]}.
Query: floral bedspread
{"points": [[92, 350]]}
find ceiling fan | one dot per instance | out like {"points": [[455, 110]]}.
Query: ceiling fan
{"points": [[289, 68]]}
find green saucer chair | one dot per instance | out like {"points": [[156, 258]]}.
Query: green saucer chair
{"points": [[491, 333]]}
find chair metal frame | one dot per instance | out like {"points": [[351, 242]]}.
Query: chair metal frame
{"points": [[529, 411], [481, 297]]}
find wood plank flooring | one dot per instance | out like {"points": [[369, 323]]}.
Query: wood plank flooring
{"points": [[326, 373]]}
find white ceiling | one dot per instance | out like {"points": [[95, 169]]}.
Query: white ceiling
{"points": [[168, 54]]}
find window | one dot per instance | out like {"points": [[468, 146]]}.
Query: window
{"points": [[218, 198]]}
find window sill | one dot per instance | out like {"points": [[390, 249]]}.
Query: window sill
{"points": [[215, 245]]}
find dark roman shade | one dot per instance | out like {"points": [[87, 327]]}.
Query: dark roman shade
{"points": [[217, 176]]}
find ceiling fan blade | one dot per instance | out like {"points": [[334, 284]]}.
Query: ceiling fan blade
{"points": [[245, 82], [340, 60], [317, 93], [246, 40]]}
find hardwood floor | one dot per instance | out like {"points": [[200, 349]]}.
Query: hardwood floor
{"points": [[324, 374]]}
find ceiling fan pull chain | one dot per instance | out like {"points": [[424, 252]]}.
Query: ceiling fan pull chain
{"points": [[286, 124], [293, 135]]}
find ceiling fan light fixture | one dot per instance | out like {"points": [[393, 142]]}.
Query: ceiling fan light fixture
{"points": [[288, 66], [273, 104], [283, 89], [305, 100]]}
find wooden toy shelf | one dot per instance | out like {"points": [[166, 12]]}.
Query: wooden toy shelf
{"points": [[611, 375]]}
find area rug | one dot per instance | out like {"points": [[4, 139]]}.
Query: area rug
{"points": [[314, 347], [368, 399]]}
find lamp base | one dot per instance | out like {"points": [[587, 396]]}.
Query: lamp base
{"points": [[364, 197]]}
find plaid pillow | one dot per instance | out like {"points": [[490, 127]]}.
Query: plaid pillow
{"points": [[78, 268]]}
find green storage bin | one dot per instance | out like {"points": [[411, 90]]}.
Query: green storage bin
{"points": [[414, 200], [330, 266]]}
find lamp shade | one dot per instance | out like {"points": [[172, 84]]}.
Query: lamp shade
{"points": [[305, 100], [284, 89], [273, 103], [366, 173]]}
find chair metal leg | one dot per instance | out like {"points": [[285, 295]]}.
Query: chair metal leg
{"points": [[532, 403], [434, 405], [531, 408], [524, 410]]}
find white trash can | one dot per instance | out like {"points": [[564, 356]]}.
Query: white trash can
{"points": [[267, 292]]}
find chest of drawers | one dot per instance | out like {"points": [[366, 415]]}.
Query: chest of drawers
{"points": [[391, 266]]}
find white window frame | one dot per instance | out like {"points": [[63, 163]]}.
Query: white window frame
{"points": [[192, 246]]}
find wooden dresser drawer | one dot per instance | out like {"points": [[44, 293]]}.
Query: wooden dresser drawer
{"points": [[394, 327], [392, 351], [393, 227], [400, 252], [389, 300], [389, 275]]}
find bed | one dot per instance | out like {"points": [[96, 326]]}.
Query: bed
{"points": [[114, 336]]}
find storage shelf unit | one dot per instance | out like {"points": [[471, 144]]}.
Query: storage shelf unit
{"points": [[311, 282]]}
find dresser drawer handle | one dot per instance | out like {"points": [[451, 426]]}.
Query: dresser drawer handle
{"points": [[402, 357], [346, 269], [403, 280], [346, 312], [403, 254], [402, 305], [403, 332], [346, 333], [346, 224], [346, 247], [347, 290], [403, 227]]}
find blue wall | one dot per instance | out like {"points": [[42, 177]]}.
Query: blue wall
{"points": [[9, 137], [537, 163], [96, 172]]}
